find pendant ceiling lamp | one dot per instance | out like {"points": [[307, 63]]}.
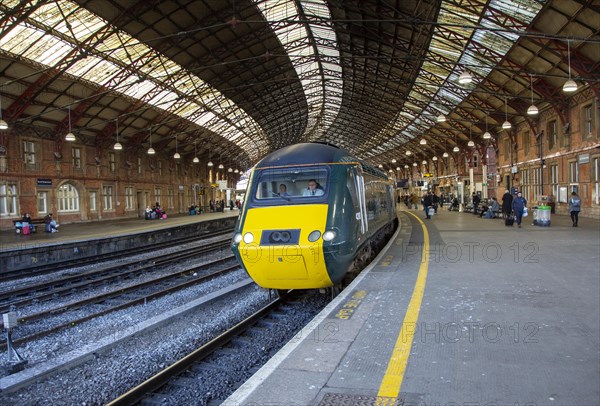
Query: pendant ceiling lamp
{"points": [[70, 136], [506, 125], [117, 145], [486, 134], [176, 156], [151, 150], [441, 118], [570, 85], [195, 160], [532, 110]]}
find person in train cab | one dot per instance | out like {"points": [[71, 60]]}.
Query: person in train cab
{"points": [[51, 224], [314, 189], [283, 190]]}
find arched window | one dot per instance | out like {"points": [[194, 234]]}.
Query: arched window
{"points": [[68, 198]]}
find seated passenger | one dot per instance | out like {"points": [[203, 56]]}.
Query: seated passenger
{"points": [[314, 189], [283, 190], [51, 225]]}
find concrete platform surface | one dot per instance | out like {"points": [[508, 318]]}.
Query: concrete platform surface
{"points": [[458, 310]]}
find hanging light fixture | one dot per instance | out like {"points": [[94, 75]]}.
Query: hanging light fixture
{"points": [[408, 152], [176, 156], [221, 166], [415, 164], [471, 143], [445, 155], [230, 170], [456, 149], [151, 150], [406, 166], [118, 145], [486, 134], [70, 136], [195, 160], [210, 164], [532, 110], [397, 168], [393, 160], [441, 118], [236, 170], [570, 85], [423, 141], [424, 162], [506, 124], [3, 124], [465, 78], [435, 158]]}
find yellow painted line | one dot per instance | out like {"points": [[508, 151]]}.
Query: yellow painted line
{"points": [[394, 374]]}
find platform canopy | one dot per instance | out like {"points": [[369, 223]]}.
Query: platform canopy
{"points": [[230, 81]]}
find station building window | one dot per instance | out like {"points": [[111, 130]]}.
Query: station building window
{"points": [[93, 200], [112, 162], [29, 155], [107, 192], [42, 202], [526, 143], [128, 197], [554, 180], [552, 134], [76, 157], [157, 195], [595, 167], [525, 186], [588, 127], [8, 199], [139, 166], [68, 198], [170, 200], [574, 176]]}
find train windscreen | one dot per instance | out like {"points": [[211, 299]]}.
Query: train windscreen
{"points": [[291, 183]]}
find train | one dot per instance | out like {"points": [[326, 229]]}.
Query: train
{"points": [[312, 218]]}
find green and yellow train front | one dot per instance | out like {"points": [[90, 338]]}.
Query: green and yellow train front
{"points": [[296, 241]]}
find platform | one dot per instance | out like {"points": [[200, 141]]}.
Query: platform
{"points": [[81, 240], [458, 310]]}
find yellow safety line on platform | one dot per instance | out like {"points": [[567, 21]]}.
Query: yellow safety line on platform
{"points": [[394, 374]]}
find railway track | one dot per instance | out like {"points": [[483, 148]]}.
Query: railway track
{"points": [[62, 265], [121, 298], [67, 284], [146, 392]]}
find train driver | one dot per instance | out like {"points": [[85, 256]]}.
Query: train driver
{"points": [[283, 190], [314, 189]]}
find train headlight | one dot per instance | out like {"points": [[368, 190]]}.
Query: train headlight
{"points": [[314, 236], [237, 238], [248, 238], [328, 235]]}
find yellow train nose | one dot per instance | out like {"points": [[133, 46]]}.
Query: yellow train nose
{"points": [[275, 247]]}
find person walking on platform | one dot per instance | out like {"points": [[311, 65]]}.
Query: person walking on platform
{"points": [[574, 208], [506, 203], [427, 203], [519, 204]]}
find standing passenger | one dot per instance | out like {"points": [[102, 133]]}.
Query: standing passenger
{"points": [[518, 204], [506, 203], [574, 208]]}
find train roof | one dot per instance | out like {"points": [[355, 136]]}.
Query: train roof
{"points": [[313, 153]]}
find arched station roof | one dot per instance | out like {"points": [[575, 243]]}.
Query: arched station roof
{"points": [[233, 80]]}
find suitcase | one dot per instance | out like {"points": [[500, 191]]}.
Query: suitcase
{"points": [[26, 230], [431, 211], [510, 220]]}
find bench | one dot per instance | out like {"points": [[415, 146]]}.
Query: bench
{"points": [[36, 222]]}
